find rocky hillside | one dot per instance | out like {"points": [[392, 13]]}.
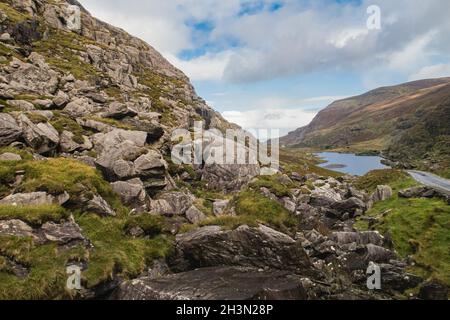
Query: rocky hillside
{"points": [[86, 180], [410, 122]]}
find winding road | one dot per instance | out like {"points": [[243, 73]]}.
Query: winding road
{"points": [[431, 180]]}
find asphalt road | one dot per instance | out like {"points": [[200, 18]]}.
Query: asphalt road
{"points": [[431, 180]]}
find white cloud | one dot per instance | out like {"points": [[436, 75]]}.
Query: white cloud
{"points": [[270, 118], [412, 54], [347, 36], [206, 67], [434, 71], [301, 37]]}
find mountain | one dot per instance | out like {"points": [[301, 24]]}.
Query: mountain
{"points": [[408, 122]]}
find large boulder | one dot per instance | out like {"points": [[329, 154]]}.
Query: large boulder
{"points": [[131, 192], [153, 128], [362, 238], [260, 247], [218, 283], [116, 162], [9, 129], [34, 199], [417, 192], [98, 205], [42, 137], [8, 156], [61, 99], [117, 110], [324, 197], [79, 108], [194, 215], [229, 177], [433, 290], [16, 228], [105, 141], [382, 193], [359, 258], [35, 78], [352, 205], [327, 192], [127, 160], [62, 233], [172, 203]]}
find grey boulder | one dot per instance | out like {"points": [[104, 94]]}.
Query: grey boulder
{"points": [[382, 193], [172, 203], [63, 233], [98, 205], [7, 156], [218, 283], [131, 192], [34, 199], [9, 130], [260, 247], [16, 228], [194, 215], [42, 137]]}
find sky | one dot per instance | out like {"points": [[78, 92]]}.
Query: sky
{"points": [[276, 63]]}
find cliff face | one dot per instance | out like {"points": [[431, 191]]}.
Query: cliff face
{"points": [[86, 116], [385, 119]]}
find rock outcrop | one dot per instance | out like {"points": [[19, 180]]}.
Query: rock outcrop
{"points": [[219, 283], [260, 247]]}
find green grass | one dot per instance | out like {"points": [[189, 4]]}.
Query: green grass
{"points": [[113, 122], [158, 86], [33, 215], [151, 224], [113, 253], [62, 49], [371, 180], [61, 123], [253, 208], [8, 53], [58, 175], [116, 253], [36, 117], [228, 222], [273, 184], [418, 227], [13, 15]]}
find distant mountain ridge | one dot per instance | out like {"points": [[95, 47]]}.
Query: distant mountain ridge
{"points": [[409, 122]]}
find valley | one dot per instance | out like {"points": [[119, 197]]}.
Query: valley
{"points": [[88, 116], [407, 124]]}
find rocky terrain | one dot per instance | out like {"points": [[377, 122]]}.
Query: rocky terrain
{"points": [[408, 123], [86, 179]]}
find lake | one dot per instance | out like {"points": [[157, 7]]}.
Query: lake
{"points": [[350, 163]]}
